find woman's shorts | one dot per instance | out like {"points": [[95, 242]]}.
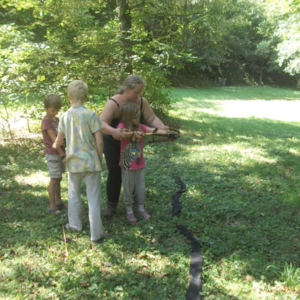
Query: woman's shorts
{"points": [[55, 165]]}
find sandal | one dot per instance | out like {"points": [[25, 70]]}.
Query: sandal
{"points": [[131, 218], [145, 215], [54, 211]]}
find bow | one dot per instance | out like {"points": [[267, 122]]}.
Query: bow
{"points": [[171, 135]]}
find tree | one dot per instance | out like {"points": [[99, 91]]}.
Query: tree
{"points": [[101, 42], [288, 29], [124, 16]]}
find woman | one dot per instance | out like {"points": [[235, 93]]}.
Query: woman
{"points": [[130, 91]]}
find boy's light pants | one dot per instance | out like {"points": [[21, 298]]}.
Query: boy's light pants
{"points": [[93, 192]]}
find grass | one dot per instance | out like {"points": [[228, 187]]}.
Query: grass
{"points": [[240, 160]]}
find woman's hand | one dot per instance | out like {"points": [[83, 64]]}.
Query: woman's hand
{"points": [[127, 134], [118, 134], [139, 134]]}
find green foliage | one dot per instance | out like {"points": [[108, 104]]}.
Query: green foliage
{"points": [[289, 48], [281, 31], [60, 42], [289, 275], [45, 45], [156, 88]]}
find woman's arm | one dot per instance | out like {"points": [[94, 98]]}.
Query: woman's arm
{"points": [[109, 112], [150, 117], [159, 131]]}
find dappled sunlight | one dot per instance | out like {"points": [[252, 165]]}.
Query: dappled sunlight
{"points": [[190, 100], [37, 178], [196, 104], [253, 289], [241, 203], [187, 115], [242, 155], [235, 93], [243, 137], [294, 151], [280, 110], [255, 154]]}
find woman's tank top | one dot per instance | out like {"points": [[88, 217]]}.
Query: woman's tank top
{"points": [[115, 122]]}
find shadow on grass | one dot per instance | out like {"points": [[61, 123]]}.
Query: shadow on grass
{"points": [[118, 281], [239, 212], [26, 225], [248, 213]]}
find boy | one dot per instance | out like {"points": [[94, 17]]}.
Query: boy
{"points": [[81, 127], [55, 158]]}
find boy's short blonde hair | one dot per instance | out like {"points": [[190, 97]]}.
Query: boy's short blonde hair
{"points": [[78, 90]]}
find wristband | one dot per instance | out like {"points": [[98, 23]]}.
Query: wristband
{"points": [[155, 130]]}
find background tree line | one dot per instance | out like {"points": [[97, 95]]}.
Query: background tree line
{"points": [[47, 43]]}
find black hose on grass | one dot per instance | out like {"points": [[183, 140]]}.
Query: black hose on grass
{"points": [[195, 286]]}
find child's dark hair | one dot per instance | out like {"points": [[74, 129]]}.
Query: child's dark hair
{"points": [[128, 112], [52, 100]]}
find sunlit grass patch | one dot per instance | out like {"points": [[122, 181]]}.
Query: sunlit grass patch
{"points": [[237, 93], [230, 153], [253, 104], [275, 110], [38, 178]]}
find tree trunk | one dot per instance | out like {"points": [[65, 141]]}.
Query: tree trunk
{"points": [[27, 115], [261, 73], [125, 28]]}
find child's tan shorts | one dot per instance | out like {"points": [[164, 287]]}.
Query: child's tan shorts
{"points": [[55, 165]]}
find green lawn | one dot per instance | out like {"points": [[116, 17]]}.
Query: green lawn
{"points": [[240, 160]]}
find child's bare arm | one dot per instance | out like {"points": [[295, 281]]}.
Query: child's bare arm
{"points": [[58, 142], [99, 145], [53, 138], [127, 134]]}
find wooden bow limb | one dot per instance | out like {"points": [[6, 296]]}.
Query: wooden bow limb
{"points": [[175, 133], [171, 135]]}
